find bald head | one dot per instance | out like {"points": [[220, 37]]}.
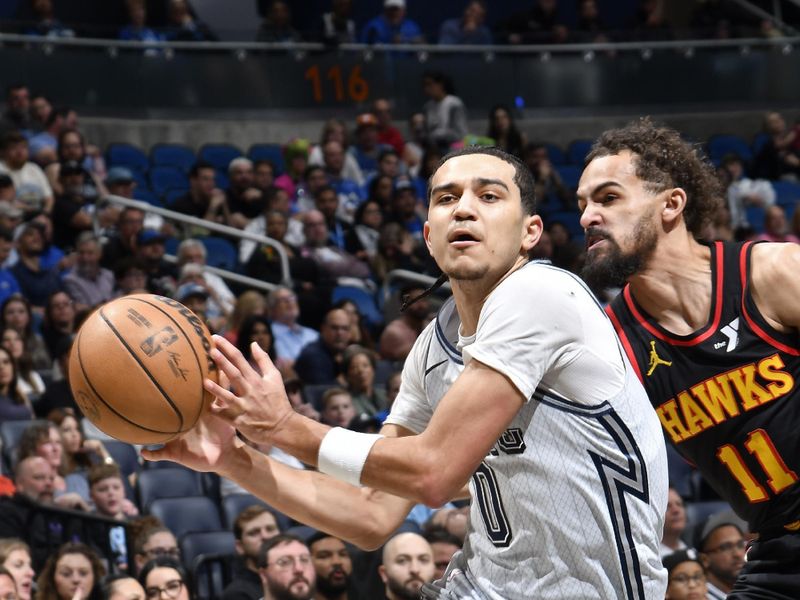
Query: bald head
{"points": [[315, 228], [407, 565], [35, 478]]}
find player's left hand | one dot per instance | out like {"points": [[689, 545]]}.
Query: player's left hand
{"points": [[256, 404]]}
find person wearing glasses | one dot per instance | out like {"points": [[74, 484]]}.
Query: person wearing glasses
{"points": [[687, 577], [164, 578], [286, 569], [155, 542], [722, 547]]}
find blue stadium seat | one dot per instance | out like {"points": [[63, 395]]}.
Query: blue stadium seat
{"points": [[125, 456], [680, 472], [165, 178], [171, 245], [219, 155], [172, 155], [220, 253], [206, 542], [555, 154], [10, 434], [697, 512], [154, 484], [363, 300], [570, 219], [758, 142], [185, 514], [577, 151], [755, 216], [786, 192], [720, 145], [271, 152], [221, 179], [127, 155], [141, 179], [208, 555], [145, 195], [570, 175], [173, 194], [233, 504]]}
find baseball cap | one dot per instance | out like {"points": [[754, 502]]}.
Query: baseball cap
{"points": [[714, 522], [187, 290], [366, 120], [681, 556], [150, 236], [394, 3], [70, 167], [119, 175]]}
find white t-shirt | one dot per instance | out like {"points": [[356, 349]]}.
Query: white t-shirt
{"points": [[570, 502]]}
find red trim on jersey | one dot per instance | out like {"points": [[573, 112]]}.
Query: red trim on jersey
{"points": [[750, 322], [712, 328], [626, 344]]}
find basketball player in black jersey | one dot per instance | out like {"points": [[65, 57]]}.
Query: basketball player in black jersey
{"points": [[712, 330]]}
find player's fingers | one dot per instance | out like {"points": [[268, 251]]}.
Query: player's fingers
{"points": [[234, 375], [263, 361], [154, 453], [221, 395], [233, 355]]}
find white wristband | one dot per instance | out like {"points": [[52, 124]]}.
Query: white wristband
{"points": [[342, 454]]}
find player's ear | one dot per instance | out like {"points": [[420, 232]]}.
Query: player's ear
{"points": [[426, 235], [674, 205], [533, 228]]}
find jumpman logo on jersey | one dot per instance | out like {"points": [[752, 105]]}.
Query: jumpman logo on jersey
{"points": [[655, 359]]}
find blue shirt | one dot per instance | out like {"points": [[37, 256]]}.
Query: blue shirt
{"points": [[140, 34], [8, 285], [351, 195], [289, 341], [41, 141], [452, 33], [380, 31]]}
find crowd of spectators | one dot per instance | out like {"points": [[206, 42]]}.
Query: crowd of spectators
{"points": [[542, 21]]}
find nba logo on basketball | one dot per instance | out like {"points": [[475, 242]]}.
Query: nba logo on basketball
{"points": [[156, 342]]}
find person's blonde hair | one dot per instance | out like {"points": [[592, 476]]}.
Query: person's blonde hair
{"points": [[9, 545], [247, 304]]}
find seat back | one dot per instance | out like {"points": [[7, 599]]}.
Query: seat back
{"points": [[219, 155], [233, 504], [153, 484], [172, 155], [186, 514]]}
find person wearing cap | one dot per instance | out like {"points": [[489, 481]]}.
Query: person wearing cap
{"points": [[367, 148], [10, 215], [161, 275], [245, 200], [24, 173], [686, 577], [295, 155], [36, 280], [120, 182], [392, 26], [722, 547], [194, 297], [73, 210]]}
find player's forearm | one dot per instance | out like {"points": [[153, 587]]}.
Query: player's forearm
{"points": [[361, 516]]}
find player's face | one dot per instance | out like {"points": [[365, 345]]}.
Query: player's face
{"points": [[73, 572], [620, 219], [723, 553], [332, 564], [476, 227], [687, 582], [255, 532], [108, 495], [18, 564], [289, 573]]}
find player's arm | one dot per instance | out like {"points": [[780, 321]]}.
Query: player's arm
{"points": [[775, 284]]}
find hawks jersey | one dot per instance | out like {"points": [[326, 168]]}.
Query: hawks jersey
{"points": [[726, 394], [570, 501]]}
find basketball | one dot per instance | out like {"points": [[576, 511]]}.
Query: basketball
{"points": [[137, 366]]}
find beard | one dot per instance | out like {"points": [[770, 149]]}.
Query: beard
{"points": [[613, 268], [327, 588], [280, 592], [405, 591]]}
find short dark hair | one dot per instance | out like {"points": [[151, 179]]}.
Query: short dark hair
{"points": [[12, 138], [98, 473], [248, 514], [163, 561], [110, 582], [664, 160], [199, 166], [522, 175], [278, 540], [440, 535]]}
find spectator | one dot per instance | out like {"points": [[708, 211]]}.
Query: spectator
{"points": [[721, 546], [130, 277], [71, 146], [164, 576], [548, 184], [222, 299], [7, 197], [286, 569], [349, 191], [445, 114], [777, 159], [359, 331], [388, 134], [335, 130], [46, 24], [263, 175], [40, 108], [33, 189], [290, 336], [8, 586], [17, 115], [153, 543], [248, 303], [393, 387], [392, 26], [443, 545], [504, 132], [399, 335], [776, 227], [79, 454], [123, 242], [17, 315], [14, 405], [336, 26], [59, 320], [389, 164], [567, 254], [244, 200], [36, 281], [649, 23], [743, 191], [326, 201], [256, 328], [333, 262], [367, 148], [590, 29], [405, 209], [107, 491], [194, 296], [8, 283], [15, 557], [333, 567], [294, 391], [295, 155], [396, 250], [42, 146], [323, 361], [72, 211], [337, 407], [122, 586], [184, 27], [686, 577], [469, 28], [252, 528], [89, 284], [674, 524], [137, 29], [162, 275], [407, 566], [29, 383], [204, 199], [73, 573], [362, 239], [359, 371], [277, 26], [538, 25]]}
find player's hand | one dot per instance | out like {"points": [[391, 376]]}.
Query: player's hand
{"points": [[256, 404], [203, 448]]}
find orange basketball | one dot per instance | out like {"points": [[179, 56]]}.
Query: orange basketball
{"points": [[137, 366]]}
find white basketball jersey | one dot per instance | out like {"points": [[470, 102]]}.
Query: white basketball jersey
{"points": [[571, 500]]}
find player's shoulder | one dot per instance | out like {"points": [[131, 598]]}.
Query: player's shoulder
{"points": [[541, 280], [774, 260]]}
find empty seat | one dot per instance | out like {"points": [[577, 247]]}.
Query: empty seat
{"points": [[720, 145], [555, 154], [186, 514], [697, 512], [124, 455], [219, 155], [10, 433], [570, 175], [153, 484], [172, 155], [570, 220], [145, 195], [208, 555], [172, 194], [577, 151], [787, 193], [195, 543], [165, 178], [127, 155], [363, 300], [220, 253], [271, 152]]}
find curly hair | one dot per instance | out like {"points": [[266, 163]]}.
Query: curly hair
{"points": [[663, 160], [46, 583]]}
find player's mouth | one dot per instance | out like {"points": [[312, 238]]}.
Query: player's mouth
{"points": [[594, 239], [462, 238]]}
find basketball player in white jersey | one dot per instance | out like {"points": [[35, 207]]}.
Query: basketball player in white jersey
{"points": [[519, 387]]}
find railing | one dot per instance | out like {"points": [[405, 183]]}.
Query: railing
{"points": [[408, 276], [286, 277]]}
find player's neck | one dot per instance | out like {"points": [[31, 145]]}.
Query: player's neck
{"points": [[675, 286]]}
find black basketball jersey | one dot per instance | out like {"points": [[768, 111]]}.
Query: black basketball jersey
{"points": [[726, 395]]}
